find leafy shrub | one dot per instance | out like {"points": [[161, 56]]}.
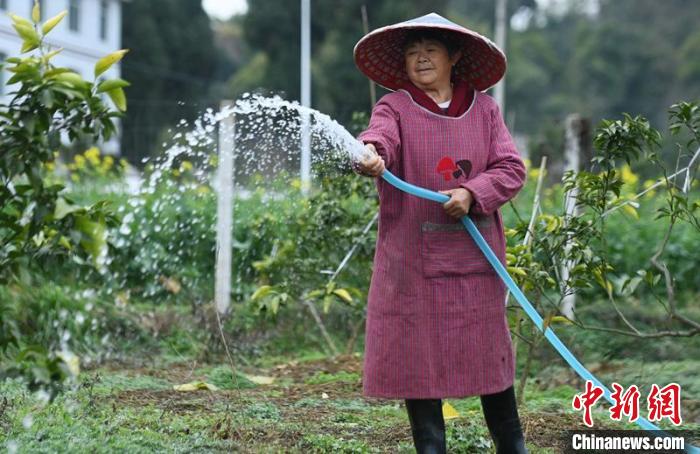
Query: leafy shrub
{"points": [[39, 225], [47, 328]]}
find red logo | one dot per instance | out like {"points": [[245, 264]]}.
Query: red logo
{"points": [[586, 400], [662, 403], [665, 402], [627, 403], [447, 168]]}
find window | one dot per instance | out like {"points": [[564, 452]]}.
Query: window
{"points": [[74, 15], [104, 11]]}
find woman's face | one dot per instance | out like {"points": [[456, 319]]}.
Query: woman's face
{"points": [[429, 65]]}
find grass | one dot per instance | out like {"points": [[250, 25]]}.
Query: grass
{"points": [[314, 405]]}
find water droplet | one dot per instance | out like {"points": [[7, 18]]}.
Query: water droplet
{"points": [[27, 421]]}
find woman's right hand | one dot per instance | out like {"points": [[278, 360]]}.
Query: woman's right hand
{"points": [[373, 166]]}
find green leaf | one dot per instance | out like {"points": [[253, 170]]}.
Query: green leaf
{"points": [[55, 71], [343, 295], [631, 210], [516, 270], [51, 54], [63, 208], [327, 301], [118, 98], [26, 32], [112, 84], [51, 23], [104, 63], [316, 293], [47, 99], [631, 285], [20, 20], [94, 238], [36, 12], [261, 292], [16, 78], [560, 319], [28, 46], [63, 241], [275, 304], [71, 78]]}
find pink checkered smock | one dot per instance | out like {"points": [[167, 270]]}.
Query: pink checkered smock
{"points": [[436, 324]]}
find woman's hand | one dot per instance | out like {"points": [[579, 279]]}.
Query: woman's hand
{"points": [[459, 203], [372, 166]]}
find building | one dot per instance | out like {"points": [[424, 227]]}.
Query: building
{"points": [[91, 30]]}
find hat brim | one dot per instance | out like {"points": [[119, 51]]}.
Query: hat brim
{"points": [[379, 55]]}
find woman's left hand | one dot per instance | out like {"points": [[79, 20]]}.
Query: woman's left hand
{"points": [[459, 203]]}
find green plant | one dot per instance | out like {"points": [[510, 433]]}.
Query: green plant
{"points": [[582, 242], [46, 328], [317, 238], [38, 223]]}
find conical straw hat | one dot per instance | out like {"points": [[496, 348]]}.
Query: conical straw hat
{"points": [[379, 54]]}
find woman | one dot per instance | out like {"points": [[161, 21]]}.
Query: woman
{"points": [[436, 324]]}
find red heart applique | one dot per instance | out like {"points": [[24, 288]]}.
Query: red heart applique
{"points": [[447, 168]]}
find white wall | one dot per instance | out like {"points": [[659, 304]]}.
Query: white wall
{"points": [[81, 48]]}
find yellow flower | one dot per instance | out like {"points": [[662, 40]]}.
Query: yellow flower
{"points": [[628, 177], [92, 153], [93, 156], [647, 185], [185, 166], [296, 183], [79, 161], [124, 163], [528, 163], [107, 163], [535, 173], [176, 172], [50, 166]]}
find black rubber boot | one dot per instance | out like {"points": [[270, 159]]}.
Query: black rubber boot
{"points": [[427, 425], [501, 414]]}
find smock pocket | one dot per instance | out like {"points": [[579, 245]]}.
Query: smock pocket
{"points": [[449, 250]]}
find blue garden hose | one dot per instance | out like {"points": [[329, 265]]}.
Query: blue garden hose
{"points": [[519, 296]]}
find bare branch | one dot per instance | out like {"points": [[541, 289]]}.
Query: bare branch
{"points": [[664, 269], [639, 334]]}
